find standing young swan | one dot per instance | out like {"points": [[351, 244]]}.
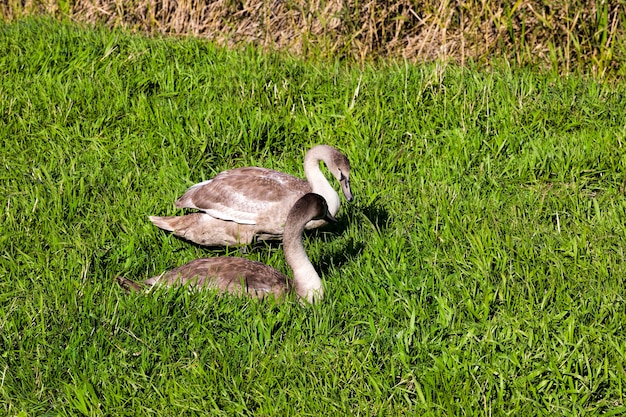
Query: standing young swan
{"points": [[238, 275], [243, 203]]}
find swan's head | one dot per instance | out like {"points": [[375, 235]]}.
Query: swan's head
{"points": [[340, 168], [312, 206], [337, 164]]}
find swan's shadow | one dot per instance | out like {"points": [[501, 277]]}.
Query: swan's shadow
{"points": [[350, 247]]}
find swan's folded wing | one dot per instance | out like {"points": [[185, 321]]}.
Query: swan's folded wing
{"points": [[242, 194], [229, 274], [254, 277]]}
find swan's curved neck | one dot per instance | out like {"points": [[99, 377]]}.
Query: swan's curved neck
{"points": [[307, 282], [318, 181]]}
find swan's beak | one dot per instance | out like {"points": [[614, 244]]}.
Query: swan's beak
{"points": [[329, 217], [345, 187]]}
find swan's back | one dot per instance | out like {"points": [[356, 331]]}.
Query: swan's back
{"points": [[244, 194], [227, 274]]}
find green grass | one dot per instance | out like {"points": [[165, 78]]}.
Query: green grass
{"points": [[480, 270]]}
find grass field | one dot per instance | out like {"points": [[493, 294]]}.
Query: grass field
{"points": [[480, 270]]}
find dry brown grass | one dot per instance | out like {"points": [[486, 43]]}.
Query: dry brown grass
{"points": [[567, 35]]}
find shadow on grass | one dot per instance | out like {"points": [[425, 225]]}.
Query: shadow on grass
{"points": [[346, 245], [338, 256], [377, 216]]}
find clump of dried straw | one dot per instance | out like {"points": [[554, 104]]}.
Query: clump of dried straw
{"points": [[566, 35]]}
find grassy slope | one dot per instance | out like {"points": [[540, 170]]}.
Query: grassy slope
{"points": [[480, 269]]}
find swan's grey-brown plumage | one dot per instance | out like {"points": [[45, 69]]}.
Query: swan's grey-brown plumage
{"points": [[243, 203], [238, 275]]}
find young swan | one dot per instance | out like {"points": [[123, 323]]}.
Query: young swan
{"points": [[243, 203], [238, 275]]}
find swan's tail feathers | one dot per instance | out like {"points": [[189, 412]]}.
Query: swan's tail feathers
{"points": [[166, 223], [129, 285], [203, 229]]}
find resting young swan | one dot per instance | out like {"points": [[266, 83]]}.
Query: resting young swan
{"points": [[238, 275], [243, 203]]}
